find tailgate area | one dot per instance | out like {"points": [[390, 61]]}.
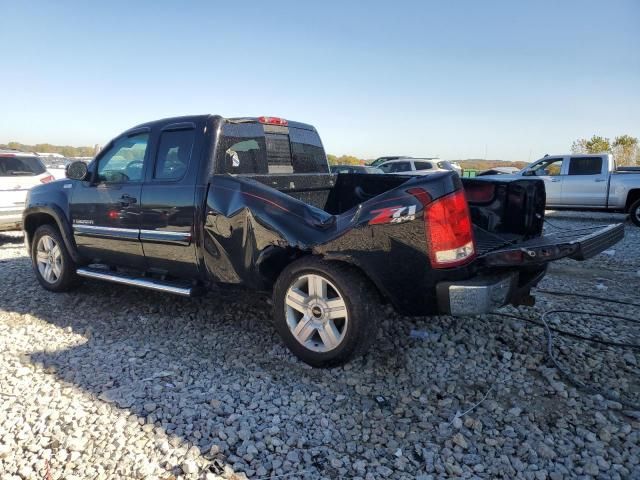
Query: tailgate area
{"points": [[578, 244]]}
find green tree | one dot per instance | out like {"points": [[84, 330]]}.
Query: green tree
{"points": [[626, 151], [345, 160], [595, 144]]}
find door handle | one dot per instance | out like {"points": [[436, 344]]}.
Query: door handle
{"points": [[599, 180], [126, 200], [555, 179]]}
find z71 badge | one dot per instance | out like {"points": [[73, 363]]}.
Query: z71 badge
{"points": [[393, 215]]}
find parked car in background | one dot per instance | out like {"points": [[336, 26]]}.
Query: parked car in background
{"points": [[355, 169], [418, 166], [380, 160], [587, 182], [19, 171], [56, 166]]}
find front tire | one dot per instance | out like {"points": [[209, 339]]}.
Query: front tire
{"points": [[634, 212], [53, 266], [324, 311]]}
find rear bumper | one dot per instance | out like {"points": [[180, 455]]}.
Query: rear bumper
{"points": [[527, 262], [486, 293]]}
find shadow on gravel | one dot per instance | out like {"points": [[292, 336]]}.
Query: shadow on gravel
{"points": [[212, 371], [11, 238]]}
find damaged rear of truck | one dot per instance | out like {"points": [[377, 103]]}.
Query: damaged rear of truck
{"points": [[430, 245]]}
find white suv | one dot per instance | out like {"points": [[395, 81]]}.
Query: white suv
{"points": [[19, 171], [418, 166]]}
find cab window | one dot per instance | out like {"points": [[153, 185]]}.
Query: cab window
{"points": [[123, 161], [585, 166], [549, 167], [251, 148], [174, 153]]}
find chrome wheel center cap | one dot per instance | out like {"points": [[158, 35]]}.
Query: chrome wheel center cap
{"points": [[317, 311]]}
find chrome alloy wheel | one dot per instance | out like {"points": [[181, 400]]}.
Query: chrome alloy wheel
{"points": [[316, 313], [637, 213], [49, 259]]}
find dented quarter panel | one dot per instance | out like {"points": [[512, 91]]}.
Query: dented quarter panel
{"points": [[251, 231]]}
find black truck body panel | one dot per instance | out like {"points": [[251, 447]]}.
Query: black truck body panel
{"points": [[207, 226]]}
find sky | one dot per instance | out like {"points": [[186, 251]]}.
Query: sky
{"points": [[509, 80]]}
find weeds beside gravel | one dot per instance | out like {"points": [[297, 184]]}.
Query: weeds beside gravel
{"points": [[118, 382]]}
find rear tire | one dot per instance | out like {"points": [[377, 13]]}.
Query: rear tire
{"points": [[325, 312], [53, 266], [634, 212]]}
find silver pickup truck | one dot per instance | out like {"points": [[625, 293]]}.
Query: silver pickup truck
{"points": [[588, 182]]}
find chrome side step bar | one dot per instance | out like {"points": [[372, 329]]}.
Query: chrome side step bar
{"points": [[123, 279]]}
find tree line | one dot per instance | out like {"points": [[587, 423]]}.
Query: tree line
{"points": [[64, 150], [624, 148]]}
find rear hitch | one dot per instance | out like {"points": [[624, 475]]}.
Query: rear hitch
{"points": [[526, 300]]}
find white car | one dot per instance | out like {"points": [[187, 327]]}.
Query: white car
{"points": [[418, 166], [19, 171]]}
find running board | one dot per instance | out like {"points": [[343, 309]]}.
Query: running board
{"points": [[150, 283]]}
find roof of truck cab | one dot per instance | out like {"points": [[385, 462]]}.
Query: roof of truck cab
{"points": [[574, 155], [201, 117], [168, 120]]}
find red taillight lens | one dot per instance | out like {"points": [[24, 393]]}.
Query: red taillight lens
{"points": [[273, 121], [47, 179], [449, 231]]}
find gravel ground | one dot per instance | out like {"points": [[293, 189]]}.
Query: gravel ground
{"points": [[117, 382]]}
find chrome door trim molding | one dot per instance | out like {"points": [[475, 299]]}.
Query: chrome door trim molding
{"points": [[111, 232], [164, 236], [156, 236]]}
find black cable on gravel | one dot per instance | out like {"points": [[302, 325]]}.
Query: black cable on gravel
{"points": [[570, 378]]}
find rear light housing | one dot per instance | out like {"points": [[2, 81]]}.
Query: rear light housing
{"points": [[47, 179], [273, 121], [449, 231]]}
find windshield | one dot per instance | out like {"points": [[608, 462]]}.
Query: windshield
{"points": [[11, 166]]}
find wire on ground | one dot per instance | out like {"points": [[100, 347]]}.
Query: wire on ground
{"points": [[549, 340]]}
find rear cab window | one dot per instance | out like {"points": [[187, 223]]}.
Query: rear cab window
{"points": [[20, 166], [251, 148], [585, 166]]}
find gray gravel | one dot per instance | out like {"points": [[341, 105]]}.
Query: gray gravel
{"points": [[116, 382]]}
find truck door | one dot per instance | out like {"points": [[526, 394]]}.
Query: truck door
{"points": [[550, 170], [168, 201], [106, 210], [585, 184]]}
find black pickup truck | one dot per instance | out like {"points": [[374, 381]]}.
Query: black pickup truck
{"points": [[191, 204]]}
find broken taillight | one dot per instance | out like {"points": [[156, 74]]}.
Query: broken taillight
{"points": [[449, 231]]}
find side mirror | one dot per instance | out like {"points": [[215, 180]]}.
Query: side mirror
{"points": [[77, 170], [528, 173]]}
